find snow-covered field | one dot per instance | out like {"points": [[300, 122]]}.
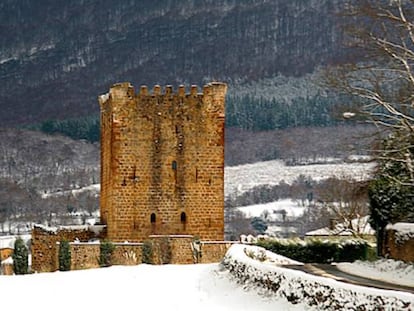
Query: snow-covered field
{"points": [[291, 207], [238, 179], [174, 287]]}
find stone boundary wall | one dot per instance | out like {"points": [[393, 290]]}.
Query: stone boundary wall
{"points": [[127, 254], [45, 240], [85, 255], [315, 291], [172, 249], [6, 269], [214, 251], [186, 249], [166, 249], [399, 245]]}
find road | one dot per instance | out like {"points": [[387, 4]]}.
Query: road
{"points": [[331, 271]]}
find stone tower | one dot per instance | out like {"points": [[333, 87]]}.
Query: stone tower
{"points": [[162, 162]]}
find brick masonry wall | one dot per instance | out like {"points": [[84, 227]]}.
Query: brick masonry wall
{"points": [[6, 269], [397, 249], [83, 256], [5, 253], [166, 249], [86, 255], [172, 249], [214, 251], [183, 250], [162, 162], [45, 244], [127, 254]]}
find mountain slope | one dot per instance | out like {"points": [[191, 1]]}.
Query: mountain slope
{"points": [[57, 56]]}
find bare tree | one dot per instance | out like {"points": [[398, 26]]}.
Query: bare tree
{"points": [[347, 201], [380, 74]]}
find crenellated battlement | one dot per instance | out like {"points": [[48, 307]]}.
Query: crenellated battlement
{"points": [[126, 90], [162, 161]]}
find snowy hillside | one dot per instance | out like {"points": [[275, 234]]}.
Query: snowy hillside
{"points": [[239, 179]]}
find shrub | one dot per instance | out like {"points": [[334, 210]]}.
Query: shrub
{"points": [[64, 256], [105, 256], [353, 250], [147, 252], [20, 257]]}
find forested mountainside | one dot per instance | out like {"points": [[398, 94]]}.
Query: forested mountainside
{"points": [[56, 56], [43, 162]]}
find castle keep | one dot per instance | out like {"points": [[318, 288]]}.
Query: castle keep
{"points": [[162, 180], [162, 162]]}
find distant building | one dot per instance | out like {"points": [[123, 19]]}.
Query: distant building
{"points": [[358, 227]]}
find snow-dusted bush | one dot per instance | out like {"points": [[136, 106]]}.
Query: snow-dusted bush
{"points": [[299, 287]]}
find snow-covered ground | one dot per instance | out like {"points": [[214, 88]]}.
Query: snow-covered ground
{"points": [[93, 189], [255, 272], [238, 179], [169, 287], [387, 270], [292, 208]]}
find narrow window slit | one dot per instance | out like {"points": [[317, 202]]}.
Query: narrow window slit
{"points": [[183, 218], [153, 218]]}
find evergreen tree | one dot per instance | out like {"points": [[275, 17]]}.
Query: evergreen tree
{"points": [[64, 256], [259, 225], [105, 256], [20, 257], [87, 128], [391, 192]]}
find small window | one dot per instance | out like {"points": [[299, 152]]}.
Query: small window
{"points": [[174, 165], [153, 218], [183, 217]]}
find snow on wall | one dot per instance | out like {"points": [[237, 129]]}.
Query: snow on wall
{"points": [[404, 231], [318, 292]]}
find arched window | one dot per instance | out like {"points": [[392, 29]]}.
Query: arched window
{"points": [[153, 218], [183, 218]]}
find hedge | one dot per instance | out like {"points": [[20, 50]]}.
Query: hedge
{"points": [[318, 251]]}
